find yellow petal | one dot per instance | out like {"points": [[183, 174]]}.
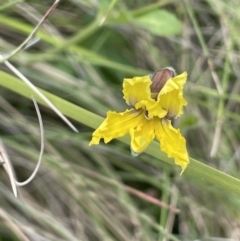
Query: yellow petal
{"points": [[136, 90], [171, 98], [181, 79], [116, 125], [154, 108], [172, 142], [174, 83], [173, 102], [142, 135]]}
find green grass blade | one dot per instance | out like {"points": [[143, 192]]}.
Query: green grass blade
{"points": [[195, 169]]}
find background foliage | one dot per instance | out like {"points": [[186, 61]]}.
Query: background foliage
{"points": [[85, 50]]}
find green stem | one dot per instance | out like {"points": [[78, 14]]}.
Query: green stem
{"points": [[163, 211], [85, 54], [225, 80], [196, 27], [9, 4], [196, 169], [212, 92], [79, 37], [86, 32]]}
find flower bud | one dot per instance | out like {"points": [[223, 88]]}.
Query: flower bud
{"points": [[160, 78]]}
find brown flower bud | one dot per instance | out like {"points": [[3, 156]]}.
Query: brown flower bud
{"points": [[160, 78]]}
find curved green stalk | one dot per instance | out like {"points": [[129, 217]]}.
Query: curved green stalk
{"points": [[196, 169]]}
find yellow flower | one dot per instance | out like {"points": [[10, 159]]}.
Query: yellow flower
{"points": [[154, 102]]}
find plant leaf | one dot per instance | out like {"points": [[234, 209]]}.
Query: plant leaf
{"points": [[159, 22]]}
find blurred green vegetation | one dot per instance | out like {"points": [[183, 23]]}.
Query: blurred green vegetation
{"points": [[85, 50]]}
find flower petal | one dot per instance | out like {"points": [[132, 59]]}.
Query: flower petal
{"points": [[154, 109], [172, 142], [174, 83], [137, 93], [116, 125], [171, 98], [136, 90], [181, 79], [173, 102], [142, 135]]}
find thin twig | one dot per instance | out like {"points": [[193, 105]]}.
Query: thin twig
{"points": [[41, 150], [27, 44], [13, 226], [216, 137], [130, 190], [35, 89], [8, 167], [32, 42], [23, 45], [151, 199], [5, 161]]}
